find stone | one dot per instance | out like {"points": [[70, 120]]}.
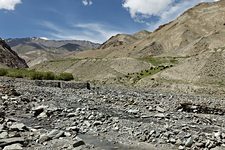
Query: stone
{"points": [[87, 123], [53, 133], [74, 128], [172, 140], [178, 142], [67, 134], [60, 134], [42, 115], [218, 148], [18, 127], [2, 114], [181, 147], [150, 108], [3, 135], [43, 138], [13, 147], [189, 142], [91, 117], [116, 128], [223, 135], [96, 123], [152, 132], [199, 144], [38, 110], [1, 127], [160, 115], [218, 135], [78, 109], [133, 111], [159, 109], [71, 115], [5, 97], [79, 142], [9, 141]]}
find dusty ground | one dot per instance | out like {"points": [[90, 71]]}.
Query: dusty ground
{"points": [[108, 118]]}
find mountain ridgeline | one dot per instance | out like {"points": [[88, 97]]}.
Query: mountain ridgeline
{"points": [[36, 50]]}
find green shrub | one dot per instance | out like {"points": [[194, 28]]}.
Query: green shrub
{"points": [[36, 75], [65, 76], [3, 72], [16, 73], [49, 76]]}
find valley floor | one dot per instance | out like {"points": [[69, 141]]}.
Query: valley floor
{"points": [[34, 117]]}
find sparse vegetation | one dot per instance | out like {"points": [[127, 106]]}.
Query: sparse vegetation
{"points": [[65, 76], [160, 64], [3, 72], [156, 61], [35, 75], [143, 73]]}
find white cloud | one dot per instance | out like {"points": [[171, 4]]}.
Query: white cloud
{"points": [[9, 4], [94, 32], [87, 2], [146, 7], [164, 10]]}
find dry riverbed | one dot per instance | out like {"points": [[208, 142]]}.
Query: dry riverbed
{"points": [[34, 117]]}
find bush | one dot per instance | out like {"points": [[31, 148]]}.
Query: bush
{"points": [[16, 73], [3, 72], [49, 76], [36, 75], [65, 76]]}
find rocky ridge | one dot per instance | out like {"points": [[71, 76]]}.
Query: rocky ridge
{"points": [[9, 58]]}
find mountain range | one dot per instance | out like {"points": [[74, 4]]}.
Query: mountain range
{"points": [[36, 50]]}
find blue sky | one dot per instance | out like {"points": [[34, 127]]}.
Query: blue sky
{"points": [[94, 20]]}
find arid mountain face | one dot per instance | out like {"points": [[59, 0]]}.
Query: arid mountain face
{"points": [[195, 31], [194, 43], [9, 58], [37, 50]]}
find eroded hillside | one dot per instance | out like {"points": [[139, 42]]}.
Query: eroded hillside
{"points": [[9, 58]]}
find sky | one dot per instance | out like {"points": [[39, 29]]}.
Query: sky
{"points": [[93, 20]]}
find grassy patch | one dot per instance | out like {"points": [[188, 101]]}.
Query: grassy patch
{"points": [[35, 75], [3, 72], [64, 60], [65, 76], [156, 61], [148, 72], [135, 77]]}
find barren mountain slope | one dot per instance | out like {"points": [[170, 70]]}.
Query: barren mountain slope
{"points": [[189, 49], [205, 68], [95, 69], [116, 44], [9, 58], [184, 36]]}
